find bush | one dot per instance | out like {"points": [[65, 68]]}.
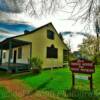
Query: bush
{"points": [[36, 64]]}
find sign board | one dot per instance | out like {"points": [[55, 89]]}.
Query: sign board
{"points": [[82, 66]]}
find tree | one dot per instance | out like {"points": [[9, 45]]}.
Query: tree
{"points": [[84, 10], [97, 29], [88, 47]]}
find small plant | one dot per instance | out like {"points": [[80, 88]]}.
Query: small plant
{"points": [[35, 64]]}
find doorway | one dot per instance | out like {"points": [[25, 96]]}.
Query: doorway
{"points": [[15, 54]]}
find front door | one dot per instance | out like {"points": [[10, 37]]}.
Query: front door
{"points": [[14, 59]]}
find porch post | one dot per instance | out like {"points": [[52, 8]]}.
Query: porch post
{"points": [[1, 55], [30, 50], [10, 50]]}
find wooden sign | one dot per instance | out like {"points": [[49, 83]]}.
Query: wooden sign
{"points": [[84, 67]]}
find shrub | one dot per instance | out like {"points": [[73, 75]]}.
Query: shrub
{"points": [[36, 64]]}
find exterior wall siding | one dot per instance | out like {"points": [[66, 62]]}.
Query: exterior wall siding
{"points": [[25, 55]]}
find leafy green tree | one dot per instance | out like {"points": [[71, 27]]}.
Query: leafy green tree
{"points": [[88, 48]]}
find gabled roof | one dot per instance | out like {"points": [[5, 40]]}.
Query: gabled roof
{"points": [[37, 29], [30, 32]]}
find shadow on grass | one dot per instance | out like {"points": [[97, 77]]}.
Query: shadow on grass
{"points": [[77, 94], [22, 75], [41, 86]]}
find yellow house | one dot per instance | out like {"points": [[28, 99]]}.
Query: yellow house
{"points": [[43, 42]]}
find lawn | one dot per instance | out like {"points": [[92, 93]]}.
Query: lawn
{"points": [[58, 81], [5, 95]]}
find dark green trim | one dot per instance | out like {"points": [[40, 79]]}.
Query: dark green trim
{"points": [[10, 50], [1, 55], [30, 50]]}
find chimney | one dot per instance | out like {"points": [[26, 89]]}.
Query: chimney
{"points": [[26, 32]]}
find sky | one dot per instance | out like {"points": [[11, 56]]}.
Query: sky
{"points": [[15, 27], [16, 23]]}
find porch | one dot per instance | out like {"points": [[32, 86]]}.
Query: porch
{"points": [[12, 68], [9, 44]]}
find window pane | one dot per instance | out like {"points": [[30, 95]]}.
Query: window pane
{"points": [[50, 34], [20, 52], [52, 52], [4, 55]]}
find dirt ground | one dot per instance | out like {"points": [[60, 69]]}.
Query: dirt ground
{"points": [[19, 89]]}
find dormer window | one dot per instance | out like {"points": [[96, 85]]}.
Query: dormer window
{"points": [[50, 34]]}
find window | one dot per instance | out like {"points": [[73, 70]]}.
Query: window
{"points": [[4, 55], [52, 52], [50, 34], [20, 52], [65, 55]]}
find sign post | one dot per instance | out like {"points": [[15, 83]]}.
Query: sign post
{"points": [[73, 80], [83, 67]]}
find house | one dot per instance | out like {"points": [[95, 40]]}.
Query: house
{"points": [[43, 42]]}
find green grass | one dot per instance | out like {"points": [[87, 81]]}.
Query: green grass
{"points": [[5, 95], [58, 81], [52, 80]]}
